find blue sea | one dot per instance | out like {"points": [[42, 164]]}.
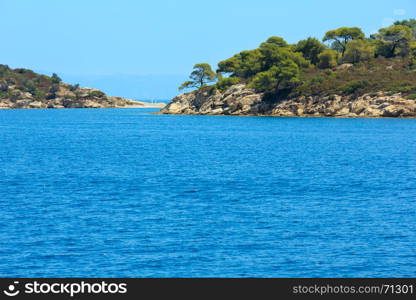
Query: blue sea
{"points": [[124, 193]]}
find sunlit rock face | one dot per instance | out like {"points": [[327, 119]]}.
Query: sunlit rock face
{"points": [[240, 100]]}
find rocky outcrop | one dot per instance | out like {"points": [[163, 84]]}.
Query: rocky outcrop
{"points": [[236, 100], [67, 97], [239, 100], [368, 105]]}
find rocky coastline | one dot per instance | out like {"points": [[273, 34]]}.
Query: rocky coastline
{"points": [[68, 97], [240, 100]]}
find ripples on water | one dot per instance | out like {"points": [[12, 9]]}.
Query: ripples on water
{"points": [[120, 193]]}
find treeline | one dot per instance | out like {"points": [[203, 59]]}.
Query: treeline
{"points": [[345, 61]]}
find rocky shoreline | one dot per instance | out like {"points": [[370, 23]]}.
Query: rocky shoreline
{"points": [[240, 100], [68, 97]]}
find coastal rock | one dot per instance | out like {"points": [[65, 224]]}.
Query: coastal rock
{"points": [[37, 104], [240, 100], [236, 100], [66, 97], [25, 89]]}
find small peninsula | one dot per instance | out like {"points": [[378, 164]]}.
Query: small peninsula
{"points": [[25, 89], [345, 75]]}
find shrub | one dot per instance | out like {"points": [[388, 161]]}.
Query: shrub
{"points": [[52, 91], [4, 69], [411, 97], [355, 87], [55, 78], [98, 94], [39, 94], [3, 86], [29, 86], [74, 87], [413, 54], [328, 59]]}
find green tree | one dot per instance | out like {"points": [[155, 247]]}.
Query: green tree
{"points": [[394, 40], [4, 69], [55, 78], [53, 90], [342, 36], [284, 75], [413, 54], [273, 54], [328, 59], [246, 64], [201, 75], [224, 83], [310, 48], [277, 41], [411, 23], [359, 50]]}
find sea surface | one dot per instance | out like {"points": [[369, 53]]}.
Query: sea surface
{"points": [[124, 193]]}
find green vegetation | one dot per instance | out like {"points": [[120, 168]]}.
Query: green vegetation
{"points": [[23, 80], [378, 74], [328, 59], [342, 36], [311, 48], [55, 78], [201, 75], [224, 83], [349, 64], [359, 50], [97, 93], [394, 40], [282, 75], [409, 23]]}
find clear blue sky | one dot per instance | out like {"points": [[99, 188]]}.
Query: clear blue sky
{"points": [[126, 46]]}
